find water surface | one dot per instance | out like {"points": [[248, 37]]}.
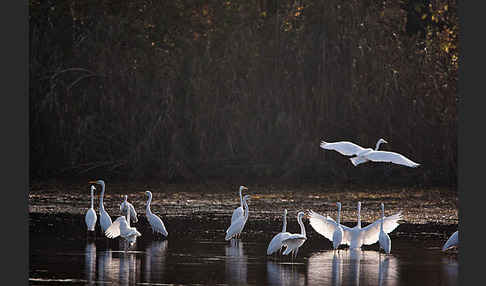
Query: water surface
{"points": [[73, 258]]}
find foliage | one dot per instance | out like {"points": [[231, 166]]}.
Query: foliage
{"points": [[199, 89]]}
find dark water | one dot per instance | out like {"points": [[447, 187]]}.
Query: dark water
{"points": [[66, 256]]}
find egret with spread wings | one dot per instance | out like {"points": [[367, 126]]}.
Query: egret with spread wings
{"points": [[363, 155], [357, 236]]}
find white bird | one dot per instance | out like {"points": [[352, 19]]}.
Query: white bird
{"points": [[384, 238], [125, 206], [354, 237], [363, 155], [276, 242], [105, 219], [295, 240], [238, 212], [121, 227], [155, 222], [337, 236], [237, 226], [91, 217], [453, 241]]}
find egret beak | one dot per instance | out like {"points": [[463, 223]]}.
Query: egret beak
{"points": [[92, 182]]}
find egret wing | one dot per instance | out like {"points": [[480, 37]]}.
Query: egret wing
{"points": [[343, 147], [293, 237], [157, 224], [237, 213], [452, 241], [90, 219], [114, 229], [276, 242], [293, 242], [371, 233], [386, 156], [325, 226]]}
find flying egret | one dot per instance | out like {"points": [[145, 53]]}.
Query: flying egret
{"points": [[125, 206], [236, 227], [276, 242], [453, 241], [155, 222], [384, 238], [90, 217], [357, 236], [105, 219], [337, 236], [363, 155], [295, 240], [238, 212], [121, 227]]}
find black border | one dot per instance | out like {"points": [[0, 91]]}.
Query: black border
{"points": [[14, 129], [470, 141]]}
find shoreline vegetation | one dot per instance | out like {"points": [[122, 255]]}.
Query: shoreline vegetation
{"points": [[186, 91]]}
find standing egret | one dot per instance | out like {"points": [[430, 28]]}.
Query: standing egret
{"points": [[155, 222], [384, 238], [238, 212], [337, 236], [236, 227], [363, 155], [91, 217], [357, 236], [276, 242], [105, 219], [125, 206], [453, 241], [295, 240], [121, 227]]}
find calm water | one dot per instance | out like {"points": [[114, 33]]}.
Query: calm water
{"points": [[68, 257]]}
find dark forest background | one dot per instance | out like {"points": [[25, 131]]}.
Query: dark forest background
{"points": [[197, 90]]}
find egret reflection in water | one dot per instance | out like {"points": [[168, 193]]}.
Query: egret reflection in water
{"points": [[284, 274], [450, 267], [236, 263], [352, 267], [108, 268], [128, 274], [155, 260], [90, 262]]}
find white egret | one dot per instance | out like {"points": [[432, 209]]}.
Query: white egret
{"points": [[354, 237], [453, 241], [238, 212], [125, 206], [384, 238], [105, 219], [236, 227], [295, 240], [363, 155], [90, 217], [155, 222], [276, 242], [121, 227], [337, 236]]}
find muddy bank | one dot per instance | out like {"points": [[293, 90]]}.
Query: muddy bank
{"points": [[206, 209], [418, 206]]}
